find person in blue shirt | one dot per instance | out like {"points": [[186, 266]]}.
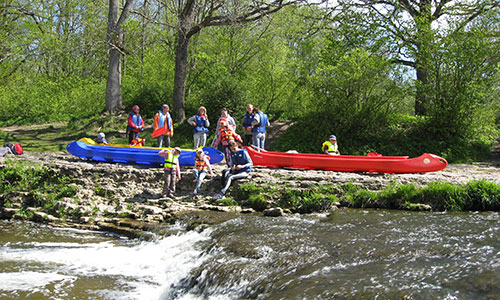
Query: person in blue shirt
{"points": [[259, 124], [240, 167], [200, 123]]}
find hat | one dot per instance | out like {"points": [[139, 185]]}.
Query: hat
{"points": [[164, 106], [101, 135], [135, 107], [177, 149], [332, 137], [199, 151]]}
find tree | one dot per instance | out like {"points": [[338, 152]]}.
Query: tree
{"points": [[412, 28], [114, 101], [195, 15]]}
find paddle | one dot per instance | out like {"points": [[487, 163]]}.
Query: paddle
{"points": [[159, 131]]}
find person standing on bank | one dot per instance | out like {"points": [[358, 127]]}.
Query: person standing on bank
{"points": [[163, 119], [200, 123], [247, 126], [135, 124], [239, 167], [172, 170], [259, 124], [225, 117]]}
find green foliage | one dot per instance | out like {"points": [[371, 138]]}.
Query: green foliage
{"points": [[257, 202], [41, 100], [226, 201], [251, 195], [306, 201], [39, 186], [482, 195], [441, 196]]}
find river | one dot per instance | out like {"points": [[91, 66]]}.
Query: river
{"points": [[348, 254]]}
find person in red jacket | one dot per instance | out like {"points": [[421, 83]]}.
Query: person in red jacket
{"points": [[135, 124]]}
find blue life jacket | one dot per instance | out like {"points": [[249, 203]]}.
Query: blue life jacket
{"points": [[200, 125], [161, 120], [136, 119], [247, 121], [261, 127], [241, 157]]}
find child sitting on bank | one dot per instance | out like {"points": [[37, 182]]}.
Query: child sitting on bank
{"points": [[202, 164]]}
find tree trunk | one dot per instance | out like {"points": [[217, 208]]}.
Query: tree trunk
{"points": [[114, 100], [422, 98], [180, 76]]}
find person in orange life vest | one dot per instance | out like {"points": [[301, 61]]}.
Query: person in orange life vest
{"points": [[172, 170], [135, 124], [224, 117], [101, 138], [247, 126], [163, 119], [200, 123], [226, 134], [202, 163], [138, 142]]}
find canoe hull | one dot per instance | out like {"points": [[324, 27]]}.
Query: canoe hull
{"points": [[349, 163], [86, 148]]}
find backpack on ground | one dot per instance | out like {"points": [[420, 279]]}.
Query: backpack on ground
{"points": [[16, 148]]}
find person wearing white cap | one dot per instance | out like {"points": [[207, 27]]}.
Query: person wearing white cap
{"points": [[331, 147], [172, 170], [101, 138]]}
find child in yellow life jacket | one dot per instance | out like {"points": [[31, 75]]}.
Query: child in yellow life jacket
{"points": [[331, 147], [202, 164], [225, 135]]}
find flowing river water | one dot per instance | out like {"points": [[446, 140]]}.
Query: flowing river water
{"points": [[348, 254]]}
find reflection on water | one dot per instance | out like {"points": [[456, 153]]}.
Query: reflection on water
{"points": [[350, 254]]}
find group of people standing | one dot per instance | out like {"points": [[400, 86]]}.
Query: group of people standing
{"points": [[238, 160]]}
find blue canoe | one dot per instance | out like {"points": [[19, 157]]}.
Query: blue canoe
{"points": [[87, 148]]}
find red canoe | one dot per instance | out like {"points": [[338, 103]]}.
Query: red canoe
{"points": [[349, 163]]}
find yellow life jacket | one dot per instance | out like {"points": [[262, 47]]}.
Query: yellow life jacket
{"points": [[331, 148], [171, 161]]}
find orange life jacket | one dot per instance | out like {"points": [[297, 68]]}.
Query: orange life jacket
{"points": [[200, 164], [226, 134], [138, 142]]}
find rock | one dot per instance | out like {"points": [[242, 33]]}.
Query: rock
{"points": [[274, 212]]}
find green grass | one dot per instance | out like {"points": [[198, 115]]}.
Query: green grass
{"points": [[441, 196], [33, 185]]}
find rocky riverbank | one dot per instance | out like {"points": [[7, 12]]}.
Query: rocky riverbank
{"points": [[127, 198]]}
